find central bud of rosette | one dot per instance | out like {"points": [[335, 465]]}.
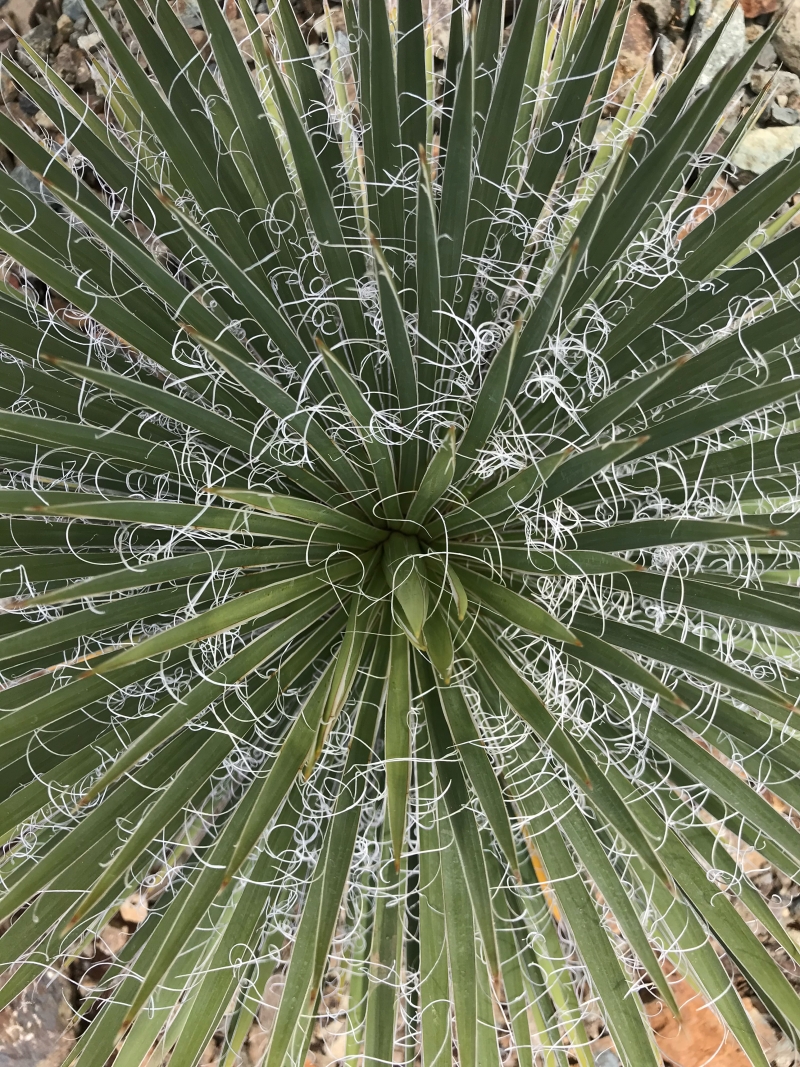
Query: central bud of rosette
{"points": [[421, 585]]}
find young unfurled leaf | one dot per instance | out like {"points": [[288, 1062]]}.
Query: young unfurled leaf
{"points": [[401, 564]]}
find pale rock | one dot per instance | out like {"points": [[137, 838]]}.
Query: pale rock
{"points": [[783, 116], [767, 57], [83, 75], [188, 11], [112, 939], [134, 909], [338, 22], [730, 47], [782, 82], [761, 149], [89, 41], [44, 121], [787, 37], [87, 984]]}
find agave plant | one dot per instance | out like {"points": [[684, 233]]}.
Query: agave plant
{"points": [[399, 557]]}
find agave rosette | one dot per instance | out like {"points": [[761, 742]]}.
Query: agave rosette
{"points": [[399, 550]]}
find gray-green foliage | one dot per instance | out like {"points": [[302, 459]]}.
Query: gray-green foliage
{"points": [[399, 556]]}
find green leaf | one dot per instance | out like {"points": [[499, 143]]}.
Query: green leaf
{"points": [[717, 910], [682, 654], [252, 296], [397, 742], [272, 792], [603, 655], [515, 557], [683, 930], [402, 361], [512, 608], [488, 405], [711, 597], [237, 667], [305, 510], [650, 533], [496, 503], [583, 839], [482, 774], [613, 407], [281, 403], [362, 415], [633, 1038], [130, 450], [434, 978], [321, 908], [382, 146], [713, 416], [522, 698], [439, 643], [217, 620], [140, 575], [456, 183], [461, 947], [435, 482], [359, 630], [385, 962], [402, 569], [586, 464], [465, 829], [429, 282], [320, 206], [202, 517]]}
